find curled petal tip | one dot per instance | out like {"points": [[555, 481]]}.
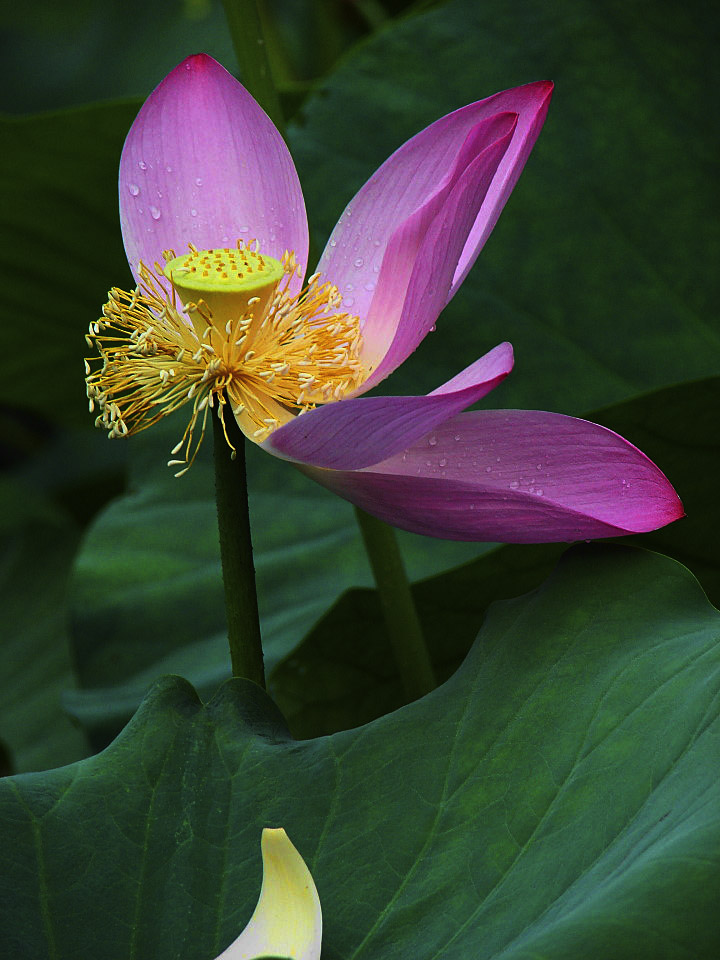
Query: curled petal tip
{"points": [[287, 921]]}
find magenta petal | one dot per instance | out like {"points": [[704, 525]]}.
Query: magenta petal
{"points": [[356, 433], [531, 103], [203, 163], [422, 255], [516, 476], [422, 170]]}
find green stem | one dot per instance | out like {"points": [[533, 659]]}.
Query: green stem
{"points": [[243, 17], [238, 569], [401, 619]]}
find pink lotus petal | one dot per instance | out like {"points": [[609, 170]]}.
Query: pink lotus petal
{"points": [[203, 163], [356, 433], [516, 476], [422, 255], [531, 103], [412, 177]]}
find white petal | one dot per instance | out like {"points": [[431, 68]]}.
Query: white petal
{"points": [[287, 921]]}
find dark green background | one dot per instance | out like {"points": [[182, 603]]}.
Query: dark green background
{"points": [[583, 812]]}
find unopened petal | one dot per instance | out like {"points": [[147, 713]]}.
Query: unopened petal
{"points": [[411, 184], [357, 433], [423, 253], [514, 476], [204, 164], [287, 921]]}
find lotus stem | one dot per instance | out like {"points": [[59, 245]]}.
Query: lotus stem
{"points": [[236, 553], [401, 619]]}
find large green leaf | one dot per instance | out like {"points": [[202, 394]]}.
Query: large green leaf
{"points": [[557, 798], [343, 674], [601, 271]]}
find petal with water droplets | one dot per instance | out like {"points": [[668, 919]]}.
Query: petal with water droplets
{"points": [[357, 433], [377, 240], [203, 163], [480, 480]]}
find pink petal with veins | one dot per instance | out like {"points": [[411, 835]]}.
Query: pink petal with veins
{"points": [[417, 178], [356, 433], [203, 163], [515, 476]]}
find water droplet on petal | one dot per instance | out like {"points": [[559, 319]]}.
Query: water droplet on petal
{"points": [[142, 164], [369, 287], [168, 168], [348, 301], [539, 492], [377, 243], [457, 436], [243, 229], [349, 286], [497, 459], [134, 189], [376, 269], [488, 469], [154, 213], [443, 461], [198, 181], [333, 243], [514, 484], [432, 441], [193, 212], [359, 262]]}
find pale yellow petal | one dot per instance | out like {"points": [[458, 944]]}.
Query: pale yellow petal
{"points": [[287, 921]]}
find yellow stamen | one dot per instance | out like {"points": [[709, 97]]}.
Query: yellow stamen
{"points": [[225, 328]]}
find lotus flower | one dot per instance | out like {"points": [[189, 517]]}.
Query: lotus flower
{"points": [[287, 921], [207, 183]]}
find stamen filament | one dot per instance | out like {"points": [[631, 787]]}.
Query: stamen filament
{"points": [[277, 354]]}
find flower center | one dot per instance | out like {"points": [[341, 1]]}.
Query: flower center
{"points": [[221, 326], [226, 280]]}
